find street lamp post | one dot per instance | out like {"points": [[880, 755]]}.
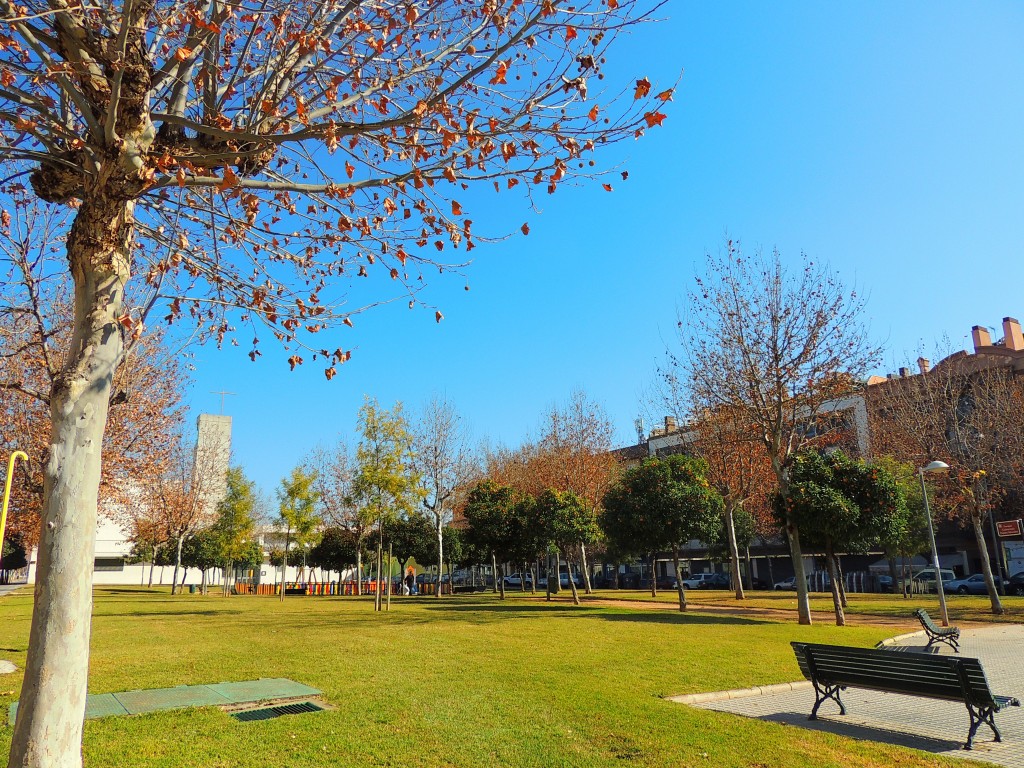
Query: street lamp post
{"points": [[7, 493], [935, 466]]}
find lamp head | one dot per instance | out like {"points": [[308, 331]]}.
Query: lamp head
{"points": [[936, 466]]}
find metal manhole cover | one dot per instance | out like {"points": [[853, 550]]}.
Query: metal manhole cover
{"points": [[268, 713]]}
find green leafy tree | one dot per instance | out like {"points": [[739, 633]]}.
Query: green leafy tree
{"points": [[659, 505], [297, 499], [337, 549], [385, 484], [903, 541], [489, 514], [413, 537], [236, 522], [567, 521], [841, 505], [201, 551]]}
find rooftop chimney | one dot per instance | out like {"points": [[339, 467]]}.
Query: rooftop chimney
{"points": [[924, 364], [1012, 337], [670, 424], [904, 372], [981, 337]]}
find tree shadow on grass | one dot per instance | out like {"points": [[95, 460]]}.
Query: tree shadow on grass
{"points": [[212, 613], [652, 617], [562, 610]]}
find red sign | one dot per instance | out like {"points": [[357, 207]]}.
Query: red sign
{"points": [[1008, 528]]}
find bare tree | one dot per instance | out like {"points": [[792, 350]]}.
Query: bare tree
{"points": [[738, 469], [782, 345], [576, 455], [444, 462], [184, 498], [966, 411], [334, 473]]}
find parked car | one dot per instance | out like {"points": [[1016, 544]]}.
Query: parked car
{"points": [[563, 580], [694, 581], [717, 581], [885, 584], [787, 583], [924, 580], [972, 585], [1015, 584], [515, 581]]}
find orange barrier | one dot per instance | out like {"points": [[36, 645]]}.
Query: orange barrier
{"points": [[329, 589]]}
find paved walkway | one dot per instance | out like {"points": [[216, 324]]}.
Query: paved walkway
{"points": [[926, 724]]}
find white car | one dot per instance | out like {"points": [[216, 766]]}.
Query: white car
{"points": [[696, 580], [515, 581]]}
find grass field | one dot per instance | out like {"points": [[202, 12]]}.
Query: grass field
{"points": [[961, 608], [465, 681]]}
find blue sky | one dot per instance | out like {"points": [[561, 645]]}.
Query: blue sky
{"points": [[883, 138]]}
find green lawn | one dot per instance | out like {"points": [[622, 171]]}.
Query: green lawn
{"points": [[464, 681]]}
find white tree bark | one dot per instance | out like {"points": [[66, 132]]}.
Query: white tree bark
{"points": [[51, 707]]}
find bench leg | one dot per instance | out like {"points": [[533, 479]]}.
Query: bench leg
{"points": [[822, 692], [981, 715]]}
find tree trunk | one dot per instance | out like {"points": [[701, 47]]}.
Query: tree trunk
{"points": [[499, 578], [654, 577], [388, 582], [892, 573], [522, 579], [533, 578], [359, 569], [177, 564], [803, 603], [586, 569], [986, 564], [679, 580], [440, 560], [284, 562], [555, 585], [734, 550], [151, 567], [905, 583], [494, 579], [833, 576], [750, 570], [842, 580], [572, 582], [547, 580], [51, 709], [377, 582], [202, 581]]}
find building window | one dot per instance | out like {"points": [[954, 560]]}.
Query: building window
{"points": [[109, 564]]}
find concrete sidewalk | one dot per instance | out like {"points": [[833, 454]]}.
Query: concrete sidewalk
{"points": [[926, 724]]}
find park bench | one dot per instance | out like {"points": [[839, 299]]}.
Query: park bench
{"points": [[936, 634], [832, 668]]}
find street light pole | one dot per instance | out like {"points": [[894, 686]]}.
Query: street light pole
{"points": [[935, 466]]}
